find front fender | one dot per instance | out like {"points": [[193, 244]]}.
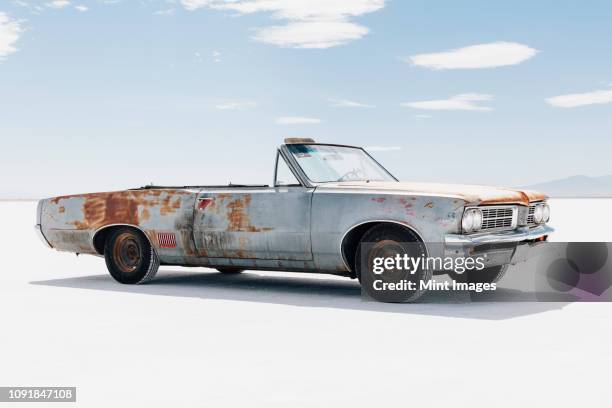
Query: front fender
{"points": [[336, 212]]}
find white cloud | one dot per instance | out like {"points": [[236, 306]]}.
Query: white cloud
{"points": [[345, 103], [166, 12], [9, 34], [81, 8], [382, 148], [309, 23], [457, 102], [311, 34], [488, 55], [421, 116], [581, 99], [296, 120], [58, 4], [195, 4], [236, 105], [303, 9]]}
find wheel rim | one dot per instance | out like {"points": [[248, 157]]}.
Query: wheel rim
{"points": [[387, 249], [127, 253], [395, 275]]}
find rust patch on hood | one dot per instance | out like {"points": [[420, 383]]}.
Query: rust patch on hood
{"points": [[509, 199], [472, 194], [516, 197], [535, 195]]}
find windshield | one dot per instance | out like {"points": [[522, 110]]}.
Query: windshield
{"points": [[323, 164]]}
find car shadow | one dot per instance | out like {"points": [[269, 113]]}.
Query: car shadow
{"points": [[309, 292]]}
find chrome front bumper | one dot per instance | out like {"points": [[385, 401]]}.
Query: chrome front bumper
{"points": [[502, 237], [499, 248]]}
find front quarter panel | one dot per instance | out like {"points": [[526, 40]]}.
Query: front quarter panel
{"points": [[336, 211]]}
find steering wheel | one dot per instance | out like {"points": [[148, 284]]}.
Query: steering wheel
{"points": [[353, 172]]}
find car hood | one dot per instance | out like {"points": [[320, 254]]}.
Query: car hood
{"points": [[472, 194]]}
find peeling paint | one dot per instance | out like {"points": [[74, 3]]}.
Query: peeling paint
{"points": [[238, 216]]}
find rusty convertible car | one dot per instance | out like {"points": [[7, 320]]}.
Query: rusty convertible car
{"points": [[324, 201]]}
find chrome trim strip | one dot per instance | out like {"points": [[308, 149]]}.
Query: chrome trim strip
{"points": [[518, 235]]}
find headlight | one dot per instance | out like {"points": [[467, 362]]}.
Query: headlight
{"points": [[477, 220], [472, 220], [538, 214], [541, 213], [545, 213]]}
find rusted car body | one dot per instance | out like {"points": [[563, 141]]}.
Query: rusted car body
{"points": [[305, 226]]}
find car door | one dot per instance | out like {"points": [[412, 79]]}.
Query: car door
{"points": [[254, 222]]}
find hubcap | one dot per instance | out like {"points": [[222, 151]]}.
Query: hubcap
{"points": [[387, 249], [127, 253]]}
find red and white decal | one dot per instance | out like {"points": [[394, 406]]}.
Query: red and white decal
{"points": [[204, 202], [166, 239]]}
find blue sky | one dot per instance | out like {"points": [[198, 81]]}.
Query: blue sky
{"points": [[99, 95]]}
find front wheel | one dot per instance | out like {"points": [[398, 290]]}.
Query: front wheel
{"points": [[393, 285], [129, 256]]}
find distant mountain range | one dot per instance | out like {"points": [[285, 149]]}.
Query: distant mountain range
{"points": [[576, 186]]}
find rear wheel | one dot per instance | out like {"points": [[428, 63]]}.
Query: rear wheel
{"points": [[388, 241], [230, 271], [129, 256]]}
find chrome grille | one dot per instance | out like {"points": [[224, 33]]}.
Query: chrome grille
{"points": [[497, 218], [530, 220]]}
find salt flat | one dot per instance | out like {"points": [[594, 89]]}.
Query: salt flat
{"points": [[196, 338]]}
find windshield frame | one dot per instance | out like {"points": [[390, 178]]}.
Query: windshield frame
{"points": [[303, 177]]}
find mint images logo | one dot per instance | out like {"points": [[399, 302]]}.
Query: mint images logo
{"points": [[578, 270]]}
